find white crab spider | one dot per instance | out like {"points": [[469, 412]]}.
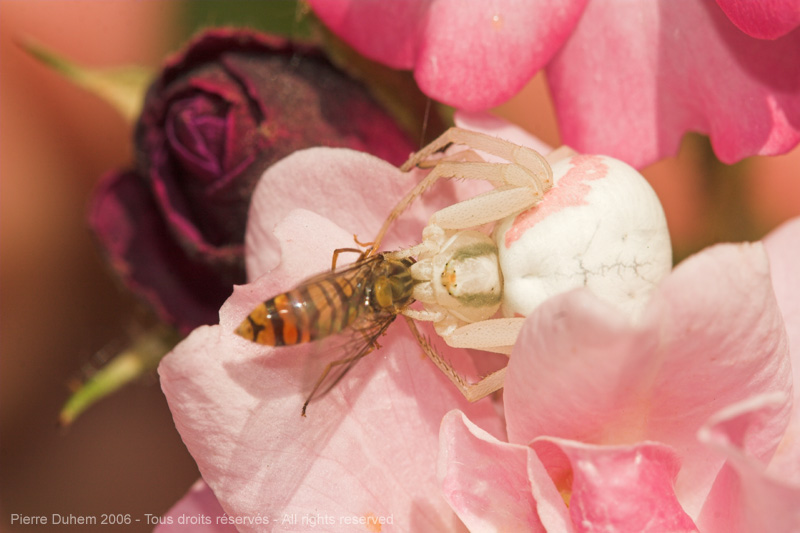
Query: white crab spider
{"points": [[608, 233]]}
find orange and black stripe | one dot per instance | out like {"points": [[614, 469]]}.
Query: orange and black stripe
{"points": [[310, 312]]}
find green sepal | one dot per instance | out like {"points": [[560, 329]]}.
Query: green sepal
{"points": [[141, 357], [122, 87]]}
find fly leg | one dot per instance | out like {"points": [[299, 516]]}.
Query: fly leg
{"points": [[361, 255], [346, 361], [370, 343]]}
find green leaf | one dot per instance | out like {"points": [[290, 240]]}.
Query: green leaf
{"points": [[123, 87], [287, 18]]}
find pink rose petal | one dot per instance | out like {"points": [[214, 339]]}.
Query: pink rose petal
{"points": [[367, 449], [620, 488], [484, 479], [508, 40], [745, 497], [783, 249], [197, 512], [471, 55], [765, 19], [384, 31], [712, 336], [548, 488], [355, 189], [634, 77], [628, 80]]}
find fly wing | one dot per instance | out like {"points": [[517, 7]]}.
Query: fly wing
{"points": [[350, 347], [353, 269]]}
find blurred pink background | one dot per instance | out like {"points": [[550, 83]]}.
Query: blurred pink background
{"points": [[60, 304]]}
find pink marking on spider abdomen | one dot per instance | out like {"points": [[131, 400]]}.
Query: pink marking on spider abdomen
{"points": [[570, 190]]}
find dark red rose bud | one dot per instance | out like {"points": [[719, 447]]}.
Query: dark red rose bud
{"points": [[141, 249], [221, 112]]}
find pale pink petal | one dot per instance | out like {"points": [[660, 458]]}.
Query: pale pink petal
{"points": [[635, 76], [355, 190], [366, 451], [783, 249], [711, 336], [745, 497], [471, 55], [765, 19], [721, 330], [617, 488], [550, 489], [197, 512], [485, 479]]}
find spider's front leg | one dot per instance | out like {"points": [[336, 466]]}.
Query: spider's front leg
{"points": [[519, 183], [473, 140]]}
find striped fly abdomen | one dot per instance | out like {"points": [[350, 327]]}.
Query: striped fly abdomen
{"points": [[321, 306]]}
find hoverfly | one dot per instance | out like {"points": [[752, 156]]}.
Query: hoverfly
{"points": [[363, 299]]}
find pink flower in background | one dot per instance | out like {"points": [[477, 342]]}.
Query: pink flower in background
{"points": [[471, 55], [627, 79], [769, 19]]}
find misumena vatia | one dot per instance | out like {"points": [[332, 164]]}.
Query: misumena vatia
{"points": [[600, 227]]}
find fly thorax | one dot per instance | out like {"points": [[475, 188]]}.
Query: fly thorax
{"points": [[466, 277], [382, 290], [393, 289]]}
